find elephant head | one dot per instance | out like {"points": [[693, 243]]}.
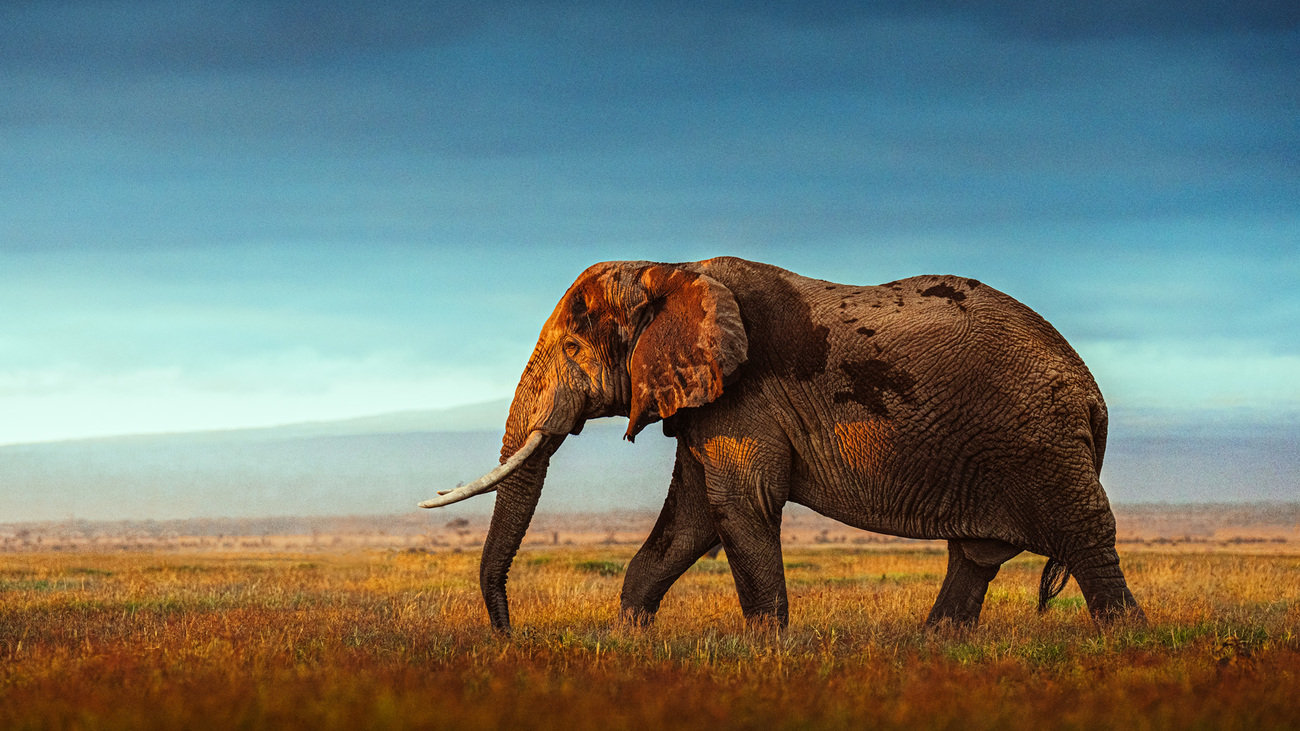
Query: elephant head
{"points": [[627, 339]]}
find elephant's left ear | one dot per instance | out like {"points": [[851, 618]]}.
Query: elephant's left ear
{"points": [[691, 340]]}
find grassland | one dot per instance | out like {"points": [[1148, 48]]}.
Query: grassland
{"points": [[386, 638]]}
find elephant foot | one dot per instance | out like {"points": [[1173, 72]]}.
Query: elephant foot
{"points": [[953, 616], [773, 613], [1117, 608], [767, 621], [962, 611], [637, 616], [1105, 590]]}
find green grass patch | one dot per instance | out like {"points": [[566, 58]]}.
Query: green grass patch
{"points": [[602, 568], [966, 653], [807, 565], [156, 606], [1067, 603], [85, 571], [711, 567]]}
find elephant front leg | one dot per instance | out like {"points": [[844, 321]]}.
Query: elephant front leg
{"points": [[748, 482], [683, 533], [753, 547]]}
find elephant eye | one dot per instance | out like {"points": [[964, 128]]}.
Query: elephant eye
{"points": [[571, 348]]}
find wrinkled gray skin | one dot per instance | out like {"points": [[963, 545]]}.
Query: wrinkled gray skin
{"points": [[932, 407]]}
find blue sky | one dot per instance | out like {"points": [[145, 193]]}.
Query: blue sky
{"points": [[226, 214]]}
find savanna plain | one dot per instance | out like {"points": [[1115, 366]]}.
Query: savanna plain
{"points": [[385, 629]]}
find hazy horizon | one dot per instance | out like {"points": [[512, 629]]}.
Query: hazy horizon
{"points": [[386, 464], [491, 415]]}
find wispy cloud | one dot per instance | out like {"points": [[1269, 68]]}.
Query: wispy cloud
{"points": [[199, 199]]}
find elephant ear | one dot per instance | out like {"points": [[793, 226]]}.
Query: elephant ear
{"points": [[691, 339]]}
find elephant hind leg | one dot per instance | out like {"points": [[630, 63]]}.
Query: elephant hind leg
{"points": [[1102, 582], [972, 564], [1087, 548], [683, 533]]}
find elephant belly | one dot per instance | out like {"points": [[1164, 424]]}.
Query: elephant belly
{"points": [[886, 503], [855, 503]]}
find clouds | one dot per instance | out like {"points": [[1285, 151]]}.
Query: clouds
{"points": [[194, 189], [156, 36], [502, 121]]}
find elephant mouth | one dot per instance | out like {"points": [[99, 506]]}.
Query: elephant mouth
{"points": [[489, 482]]}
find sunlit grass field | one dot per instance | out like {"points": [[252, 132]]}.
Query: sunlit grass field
{"points": [[396, 639]]}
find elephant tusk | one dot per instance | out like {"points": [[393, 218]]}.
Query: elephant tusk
{"points": [[487, 482]]}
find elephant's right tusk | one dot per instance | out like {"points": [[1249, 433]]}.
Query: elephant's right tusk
{"points": [[487, 482]]}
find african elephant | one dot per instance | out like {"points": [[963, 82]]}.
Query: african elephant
{"points": [[931, 407]]}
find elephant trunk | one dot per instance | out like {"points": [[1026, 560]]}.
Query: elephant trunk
{"points": [[540, 418], [517, 497]]}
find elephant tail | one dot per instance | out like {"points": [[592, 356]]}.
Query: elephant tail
{"points": [[1099, 423], [1055, 576]]}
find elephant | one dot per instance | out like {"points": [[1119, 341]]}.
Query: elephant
{"points": [[932, 407]]}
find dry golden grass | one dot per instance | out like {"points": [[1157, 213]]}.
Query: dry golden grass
{"points": [[389, 639]]}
